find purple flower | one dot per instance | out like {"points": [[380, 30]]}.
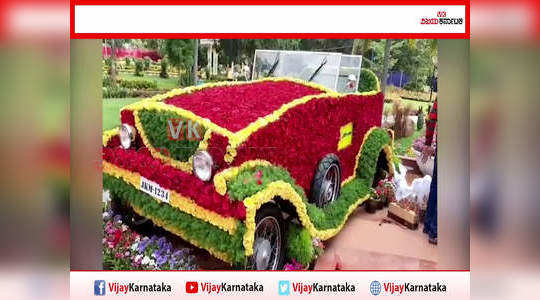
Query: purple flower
{"points": [[179, 253], [143, 244], [161, 259], [117, 218], [161, 242]]}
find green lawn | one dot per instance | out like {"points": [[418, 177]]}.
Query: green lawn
{"points": [[111, 110], [162, 83], [401, 145]]}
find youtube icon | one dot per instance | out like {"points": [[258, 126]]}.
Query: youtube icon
{"points": [[192, 287]]}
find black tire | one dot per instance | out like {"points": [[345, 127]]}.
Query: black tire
{"points": [[370, 206], [129, 217], [271, 212], [319, 188], [381, 171]]}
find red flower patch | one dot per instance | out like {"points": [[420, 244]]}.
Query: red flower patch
{"points": [[235, 107], [203, 193], [306, 133]]}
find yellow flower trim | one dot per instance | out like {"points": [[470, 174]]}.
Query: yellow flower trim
{"points": [[223, 256], [235, 138], [387, 150], [203, 145], [220, 179], [185, 204], [286, 192], [108, 134]]}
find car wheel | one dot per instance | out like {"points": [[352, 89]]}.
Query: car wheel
{"points": [[129, 217], [381, 171], [327, 181], [269, 240], [370, 206]]}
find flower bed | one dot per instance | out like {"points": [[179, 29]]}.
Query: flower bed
{"points": [[124, 249]]}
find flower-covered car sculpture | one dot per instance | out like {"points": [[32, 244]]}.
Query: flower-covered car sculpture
{"points": [[254, 171]]}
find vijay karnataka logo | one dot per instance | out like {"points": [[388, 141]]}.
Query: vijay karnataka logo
{"points": [[441, 19], [193, 287], [100, 288], [286, 287], [180, 130], [398, 289]]}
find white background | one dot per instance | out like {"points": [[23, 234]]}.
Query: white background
{"points": [[263, 19], [82, 283]]}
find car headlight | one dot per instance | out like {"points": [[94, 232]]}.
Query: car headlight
{"points": [[127, 135], [203, 165]]}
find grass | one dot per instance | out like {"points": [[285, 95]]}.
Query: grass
{"points": [[162, 83], [401, 145], [111, 110]]}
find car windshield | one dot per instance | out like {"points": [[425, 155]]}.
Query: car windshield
{"points": [[332, 70]]}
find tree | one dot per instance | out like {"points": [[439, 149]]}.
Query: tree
{"points": [[360, 47], [243, 50], [114, 44], [181, 55], [416, 58], [195, 60], [384, 74]]}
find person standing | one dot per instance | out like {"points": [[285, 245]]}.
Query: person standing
{"points": [[430, 221]]}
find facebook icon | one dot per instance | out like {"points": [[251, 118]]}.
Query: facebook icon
{"points": [[99, 287]]}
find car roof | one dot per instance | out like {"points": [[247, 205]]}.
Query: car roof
{"points": [[235, 105], [251, 109]]}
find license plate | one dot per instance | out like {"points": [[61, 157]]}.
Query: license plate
{"points": [[153, 189]]}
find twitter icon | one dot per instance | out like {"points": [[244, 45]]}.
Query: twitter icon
{"points": [[283, 288]]}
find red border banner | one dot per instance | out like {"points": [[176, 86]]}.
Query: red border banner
{"points": [[74, 35]]}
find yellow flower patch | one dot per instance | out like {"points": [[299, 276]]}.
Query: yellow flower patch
{"points": [[185, 204], [108, 134], [387, 150]]}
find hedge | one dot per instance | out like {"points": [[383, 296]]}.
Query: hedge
{"points": [[247, 182], [299, 245], [156, 127], [141, 84]]}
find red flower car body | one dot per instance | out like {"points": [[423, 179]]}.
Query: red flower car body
{"points": [[270, 151]]}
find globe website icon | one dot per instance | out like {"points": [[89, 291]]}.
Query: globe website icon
{"points": [[375, 288]]}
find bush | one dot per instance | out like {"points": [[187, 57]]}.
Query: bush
{"points": [[299, 245], [116, 92], [108, 62], [139, 68], [164, 66], [147, 63], [414, 86], [368, 81], [107, 81], [141, 84], [420, 122], [128, 61]]}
